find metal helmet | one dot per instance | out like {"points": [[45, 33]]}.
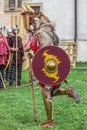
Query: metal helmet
{"points": [[14, 27], [9, 30]]}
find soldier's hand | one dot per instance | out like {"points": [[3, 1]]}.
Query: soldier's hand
{"points": [[16, 48]]}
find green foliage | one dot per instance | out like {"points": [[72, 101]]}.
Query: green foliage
{"points": [[16, 106]]}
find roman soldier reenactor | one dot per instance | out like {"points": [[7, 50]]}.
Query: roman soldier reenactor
{"points": [[20, 54], [52, 65], [4, 54], [9, 40]]}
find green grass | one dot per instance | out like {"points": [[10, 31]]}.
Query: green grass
{"points": [[81, 64], [16, 109]]}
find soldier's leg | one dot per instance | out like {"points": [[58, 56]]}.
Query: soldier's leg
{"points": [[71, 92], [11, 75], [7, 74], [1, 74], [49, 108], [19, 74]]}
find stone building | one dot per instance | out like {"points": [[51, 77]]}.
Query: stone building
{"points": [[69, 17]]}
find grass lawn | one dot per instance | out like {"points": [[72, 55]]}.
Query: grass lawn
{"points": [[16, 109], [81, 64]]}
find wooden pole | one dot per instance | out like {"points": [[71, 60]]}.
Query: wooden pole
{"points": [[16, 58], [33, 95], [16, 52]]}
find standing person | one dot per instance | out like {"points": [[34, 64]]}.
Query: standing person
{"points": [[9, 40], [29, 34], [30, 41], [9, 35], [4, 52], [31, 46], [20, 55]]}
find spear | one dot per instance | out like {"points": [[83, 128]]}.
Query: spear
{"points": [[16, 58], [33, 95]]}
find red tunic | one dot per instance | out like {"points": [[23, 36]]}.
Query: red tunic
{"points": [[33, 43], [4, 50]]}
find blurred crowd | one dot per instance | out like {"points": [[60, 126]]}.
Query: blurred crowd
{"points": [[12, 54]]}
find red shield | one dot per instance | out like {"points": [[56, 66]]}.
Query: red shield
{"points": [[51, 65]]}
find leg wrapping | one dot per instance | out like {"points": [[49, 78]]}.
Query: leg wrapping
{"points": [[48, 107]]}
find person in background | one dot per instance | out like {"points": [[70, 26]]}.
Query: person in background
{"points": [[9, 40], [4, 53], [9, 34], [28, 36], [20, 55], [31, 45]]}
